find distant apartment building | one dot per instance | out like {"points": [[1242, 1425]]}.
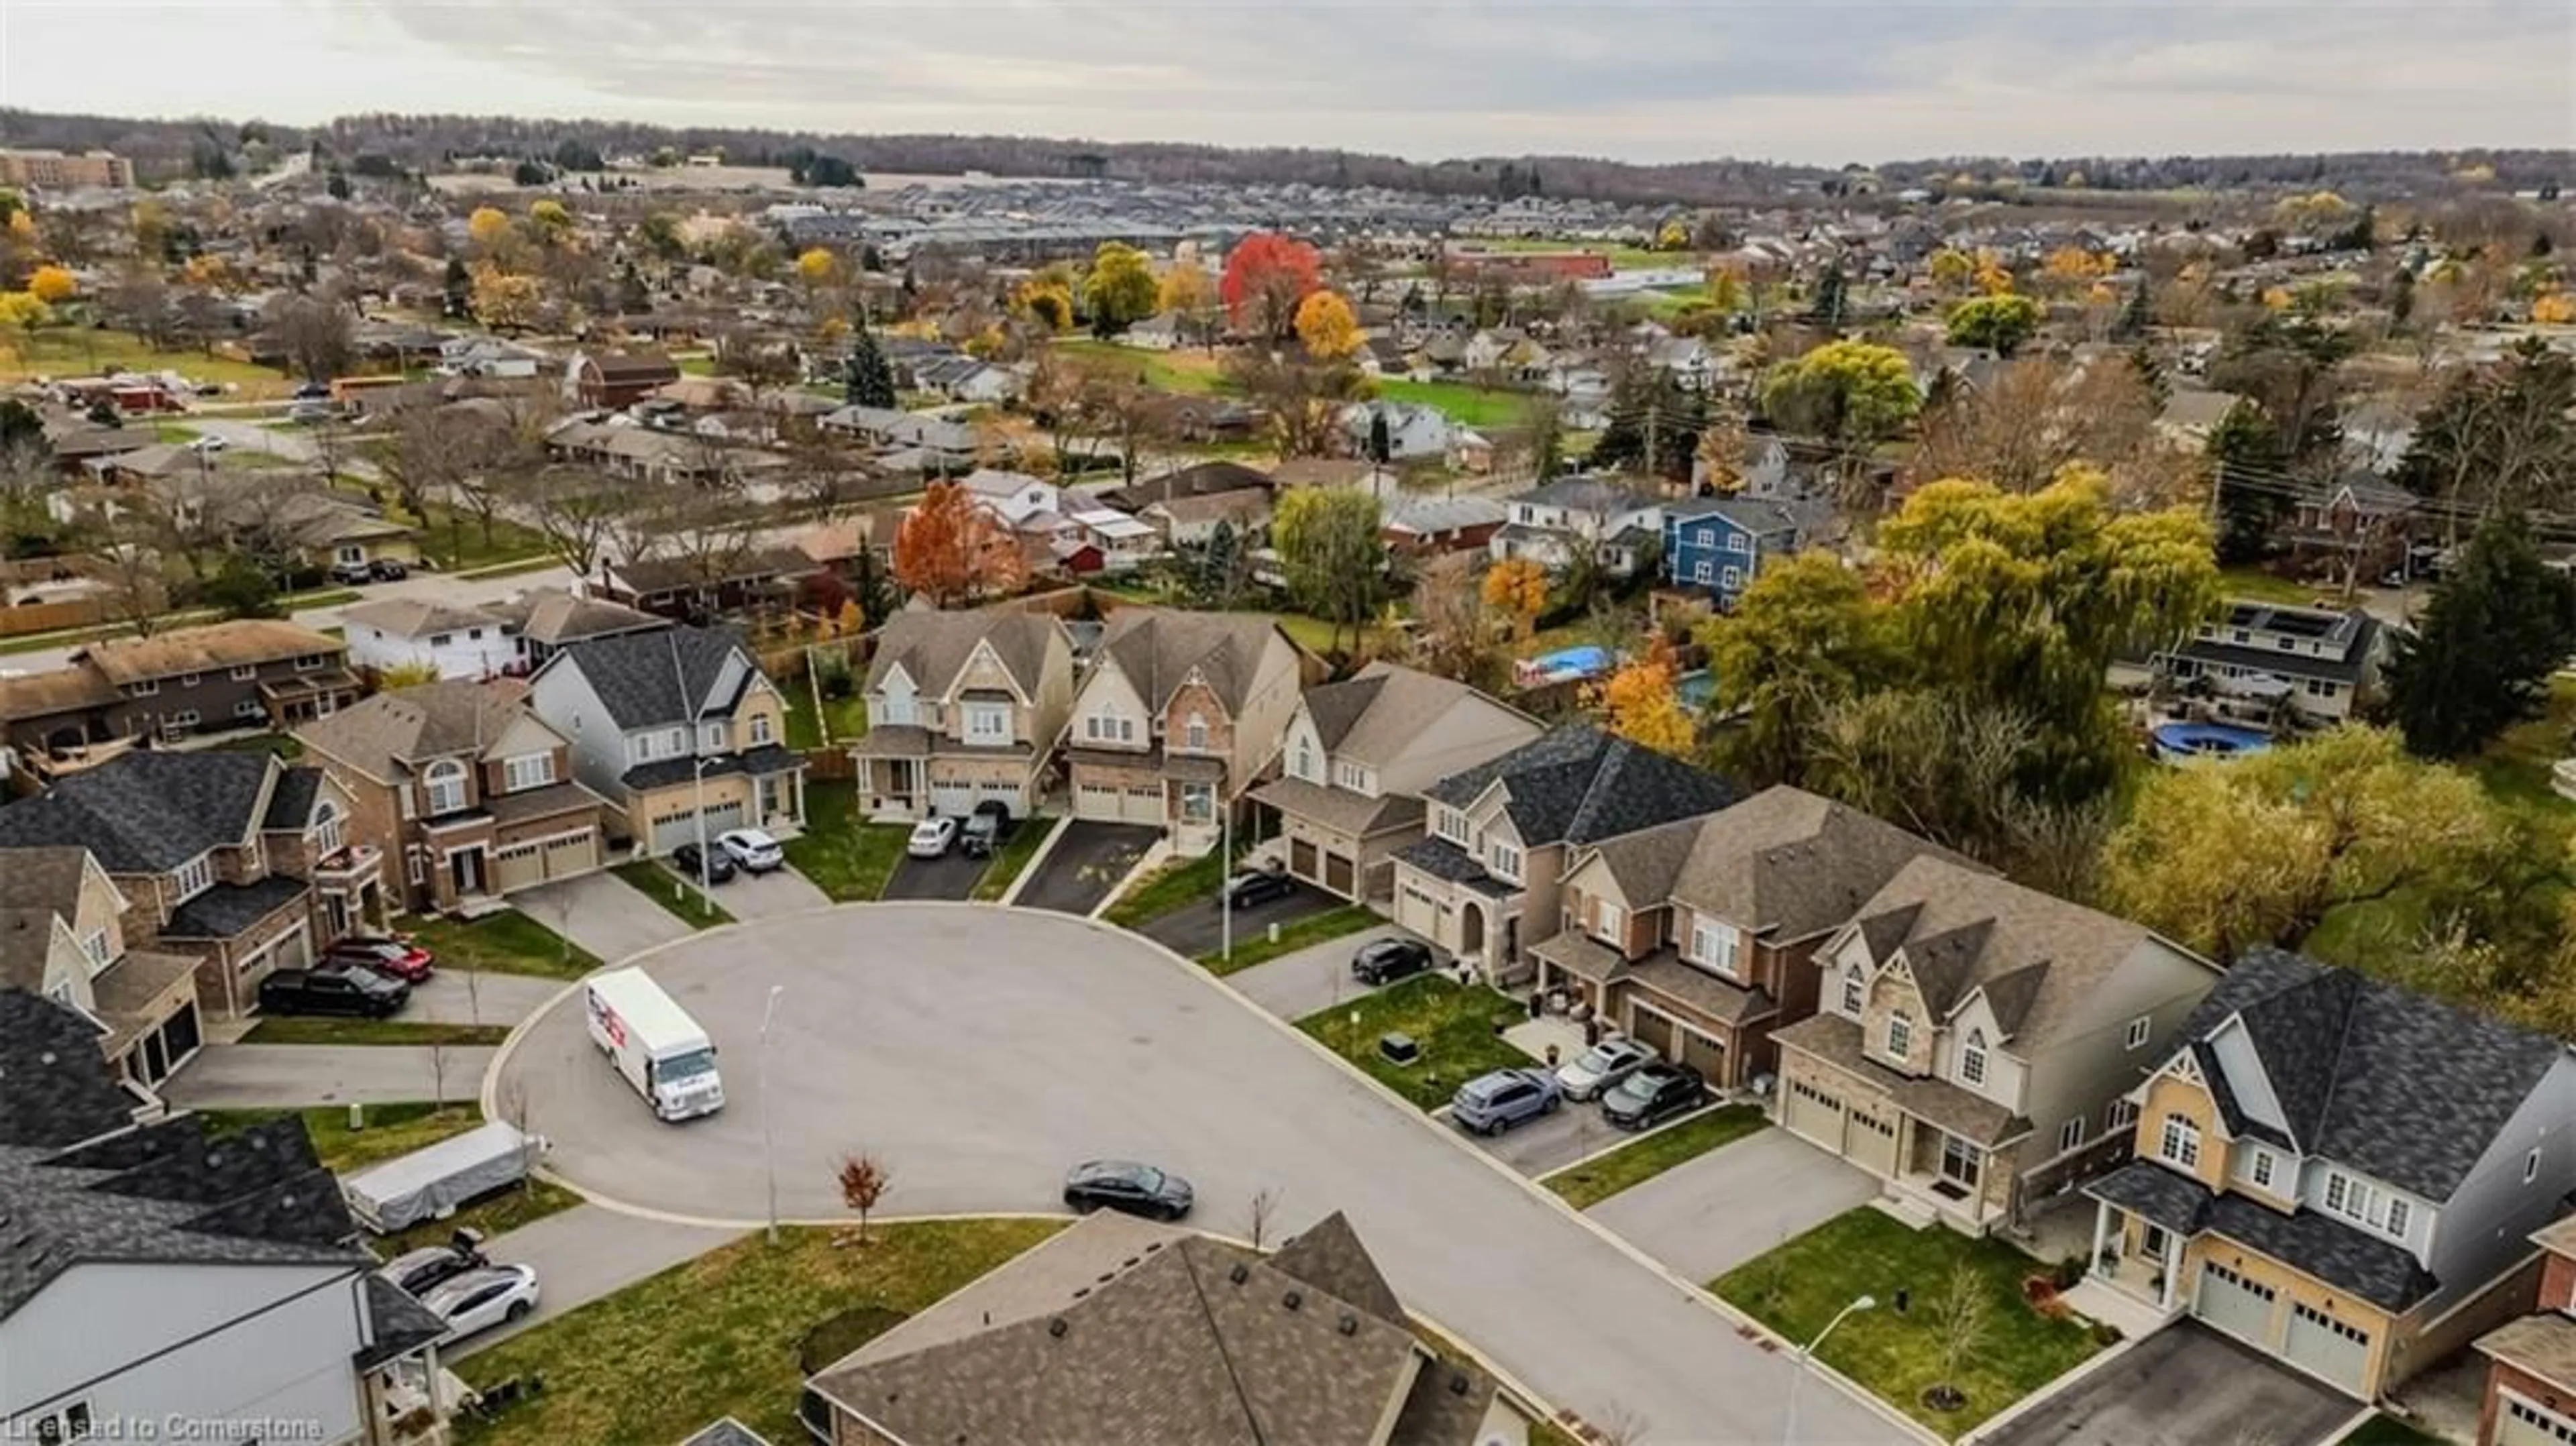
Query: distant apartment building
{"points": [[56, 171]]}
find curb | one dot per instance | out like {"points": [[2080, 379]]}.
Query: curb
{"points": [[2050, 1390], [1615, 1146]]}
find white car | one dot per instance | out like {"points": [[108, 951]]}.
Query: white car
{"points": [[209, 442], [1600, 1067], [757, 852], [931, 837], [478, 1300]]}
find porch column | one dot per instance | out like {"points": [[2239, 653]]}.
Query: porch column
{"points": [[2172, 1263], [2101, 1233]]}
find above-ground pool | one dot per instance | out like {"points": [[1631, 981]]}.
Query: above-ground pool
{"points": [[1565, 665], [2183, 742], [1695, 688]]}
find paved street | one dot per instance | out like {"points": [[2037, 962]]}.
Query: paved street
{"points": [[584, 1253], [1084, 1044], [602, 913], [251, 1076], [1198, 928], [1293, 986], [490, 998], [1088, 860], [2183, 1386], [1709, 1215]]}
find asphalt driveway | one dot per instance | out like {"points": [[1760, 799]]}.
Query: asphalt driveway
{"points": [[766, 896], [1088, 1043], [602, 913], [265, 1076], [1293, 986], [1198, 927], [1088, 860], [2183, 1386], [952, 875], [1707, 1216], [584, 1253], [1551, 1142]]}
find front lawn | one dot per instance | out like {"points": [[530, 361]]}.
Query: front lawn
{"points": [[2255, 584], [318, 1029], [846, 857], [2386, 1430], [1797, 1288], [1178, 882], [508, 942], [848, 717], [92, 351], [678, 896], [719, 1335], [1012, 859], [1254, 946], [1593, 1181], [1468, 406], [1456, 1027]]}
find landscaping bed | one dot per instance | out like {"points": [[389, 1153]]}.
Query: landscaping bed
{"points": [[508, 942], [1593, 1181], [1257, 948], [1453, 1025], [317, 1029], [846, 857], [678, 897]]}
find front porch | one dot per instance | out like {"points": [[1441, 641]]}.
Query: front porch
{"points": [[350, 886], [1939, 1151]]}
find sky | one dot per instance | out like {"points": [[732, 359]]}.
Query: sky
{"points": [[1824, 81]]}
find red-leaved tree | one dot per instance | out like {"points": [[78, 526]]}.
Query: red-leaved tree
{"points": [[952, 551], [1266, 276]]}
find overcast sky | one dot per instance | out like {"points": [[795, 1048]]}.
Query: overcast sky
{"points": [[1818, 81]]}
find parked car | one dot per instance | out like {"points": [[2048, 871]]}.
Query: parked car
{"points": [[478, 1300], [717, 865], [393, 958], [1257, 886], [351, 574], [1653, 1094], [1384, 961], [345, 989], [389, 569], [418, 1270], [1492, 1103], [985, 829], [756, 851], [931, 837], [1126, 1186], [207, 443], [1600, 1067]]}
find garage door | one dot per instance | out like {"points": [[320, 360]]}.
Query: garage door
{"points": [[1652, 1030], [573, 854], [1143, 803], [1705, 1055], [1814, 1115], [1418, 911], [2332, 1350], [673, 830], [2526, 1423], [1301, 858], [1099, 802], [1339, 874], [1871, 1142], [517, 866], [2238, 1306]]}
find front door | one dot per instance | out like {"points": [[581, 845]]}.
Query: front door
{"points": [[465, 870]]}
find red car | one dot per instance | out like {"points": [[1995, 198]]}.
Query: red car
{"points": [[392, 958]]}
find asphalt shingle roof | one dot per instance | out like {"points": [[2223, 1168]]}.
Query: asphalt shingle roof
{"points": [[145, 812], [665, 676], [52, 1075], [384, 734], [767, 758], [1577, 784], [933, 647], [1792, 864], [2379, 1271], [1158, 648], [227, 909]]}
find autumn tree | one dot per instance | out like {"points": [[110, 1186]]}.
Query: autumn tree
{"points": [[2499, 436], [1516, 587], [1851, 393], [316, 333], [1455, 634], [1046, 300], [1640, 704], [1326, 326], [864, 1180], [2032, 419], [1998, 323], [952, 551], [53, 285], [574, 510], [1334, 556], [1120, 289], [549, 222], [488, 226], [505, 301], [816, 266], [1804, 636], [1267, 276], [1303, 399], [1188, 293]]}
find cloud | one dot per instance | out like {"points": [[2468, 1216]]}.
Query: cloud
{"points": [[1823, 80]]}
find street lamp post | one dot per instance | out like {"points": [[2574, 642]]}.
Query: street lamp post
{"points": [[768, 1142], [698, 774], [1225, 889], [1798, 1363]]}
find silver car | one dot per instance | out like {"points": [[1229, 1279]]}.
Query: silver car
{"points": [[756, 851], [1600, 1067], [481, 1299]]}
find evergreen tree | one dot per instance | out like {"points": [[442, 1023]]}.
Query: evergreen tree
{"points": [[457, 289], [867, 380], [2245, 448], [1828, 307], [2401, 297], [2137, 316], [2500, 622], [1381, 446], [1217, 567], [1653, 427]]}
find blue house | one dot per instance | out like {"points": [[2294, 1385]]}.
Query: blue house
{"points": [[1715, 545]]}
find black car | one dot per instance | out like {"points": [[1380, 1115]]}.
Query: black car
{"points": [[1387, 960], [387, 569], [333, 990], [1258, 886], [1126, 1186], [418, 1270], [986, 829], [1652, 1095], [718, 868]]}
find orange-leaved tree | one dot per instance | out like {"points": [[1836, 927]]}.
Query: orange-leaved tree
{"points": [[950, 550], [1327, 327], [1517, 586], [1643, 706], [1266, 276], [53, 285]]}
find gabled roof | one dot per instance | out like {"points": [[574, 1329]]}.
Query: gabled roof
{"points": [[1373, 717], [1159, 648], [555, 617], [382, 736], [208, 649], [2399, 1086], [1587, 494], [416, 617], [1577, 784], [146, 812], [934, 647], [1791, 864], [667, 676]]}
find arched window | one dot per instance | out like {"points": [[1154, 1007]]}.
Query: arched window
{"points": [[326, 829], [1197, 731], [1972, 1058], [444, 787], [1852, 992]]}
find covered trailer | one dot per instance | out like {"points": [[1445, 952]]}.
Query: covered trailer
{"points": [[429, 1183]]}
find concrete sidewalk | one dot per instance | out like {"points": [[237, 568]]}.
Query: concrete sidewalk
{"points": [[587, 1252], [266, 1076]]}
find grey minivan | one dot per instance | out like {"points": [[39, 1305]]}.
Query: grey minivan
{"points": [[1492, 1103]]}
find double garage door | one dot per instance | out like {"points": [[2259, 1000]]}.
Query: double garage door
{"points": [[2527, 1423], [956, 800], [1863, 1134], [537, 860], [1119, 802], [674, 829], [1335, 871], [2333, 1351], [1678, 1042]]}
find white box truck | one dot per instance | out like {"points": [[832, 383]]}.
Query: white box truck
{"points": [[655, 1045]]}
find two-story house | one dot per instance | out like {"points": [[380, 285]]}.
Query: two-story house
{"points": [[678, 730], [547, 620], [1973, 1040], [161, 1275], [2341, 1173], [1359, 755], [2531, 1362], [1482, 882], [2265, 663], [1413, 431], [62, 935], [1580, 519], [458, 641], [963, 708], [1177, 715], [473, 793], [1697, 937], [1717, 545], [234, 858], [250, 673]]}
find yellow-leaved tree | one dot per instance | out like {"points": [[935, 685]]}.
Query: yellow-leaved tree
{"points": [[488, 226], [1643, 707], [815, 265], [1517, 588], [1327, 327], [53, 285]]}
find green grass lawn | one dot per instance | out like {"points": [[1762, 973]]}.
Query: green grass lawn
{"points": [[1013, 859], [1470, 406], [2261, 586], [315, 1029], [1453, 1025], [1190, 373], [1588, 1184], [1253, 946], [846, 857], [1797, 1289], [508, 942], [2385, 1430], [848, 716], [57, 351], [456, 538], [678, 896], [719, 1335], [1167, 888]]}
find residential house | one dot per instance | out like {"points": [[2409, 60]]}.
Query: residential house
{"points": [[1697, 937], [1204, 479], [1177, 715], [1419, 525], [236, 859], [2270, 663], [678, 730], [549, 619], [1013, 497], [62, 935], [1124, 542], [1125, 1330], [699, 588], [963, 708], [400, 633], [1973, 1039], [164, 1275], [459, 781], [1159, 332], [1359, 754], [486, 356], [608, 380], [2191, 414], [1192, 521], [1556, 524], [1717, 545], [2360, 524], [941, 445], [1413, 431], [249, 673], [2341, 1173], [2531, 1362], [1482, 882]]}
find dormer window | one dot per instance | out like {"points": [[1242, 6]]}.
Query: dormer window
{"points": [[529, 770], [443, 787], [1305, 762], [1972, 1058], [1503, 861], [326, 829], [713, 737], [1352, 776], [1900, 1034], [1195, 731], [193, 878], [1450, 824], [1853, 987]]}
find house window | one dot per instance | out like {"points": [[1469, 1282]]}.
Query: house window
{"points": [[187, 680], [312, 662], [245, 673], [1450, 824], [761, 731], [1730, 577], [2368, 1205], [2139, 1029], [2070, 1135], [1102, 728], [1738, 542], [443, 787], [1196, 734], [326, 831], [94, 945], [1305, 762], [2123, 1114], [1703, 571], [1852, 992], [713, 737], [248, 708], [528, 770], [1504, 861], [1352, 776], [416, 866], [194, 877], [144, 689], [1972, 1058], [2397, 1213], [2180, 1143], [1612, 923], [988, 723], [2531, 1167], [1716, 945], [1900, 1033], [2260, 1170], [183, 718]]}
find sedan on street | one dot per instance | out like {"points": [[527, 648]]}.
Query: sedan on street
{"points": [[1492, 1103], [713, 865], [1386, 960], [477, 1300], [1600, 1067], [1653, 1095], [756, 851], [393, 958], [345, 990], [931, 837], [1126, 1186]]}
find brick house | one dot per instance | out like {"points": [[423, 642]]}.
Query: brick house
{"points": [[470, 791], [2531, 1362], [963, 708], [250, 673], [1179, 713], [612, 380], [62, 935], [1697, 937]]}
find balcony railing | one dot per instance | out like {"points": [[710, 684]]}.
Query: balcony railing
{"points": [[355, 864]]}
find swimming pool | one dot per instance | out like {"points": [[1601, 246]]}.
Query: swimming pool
{"points": [[2185, 742], [1695, 688], [1565, 665]]}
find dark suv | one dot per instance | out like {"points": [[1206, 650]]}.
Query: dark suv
{"points": [[986, 829], [1652, 1095], [1387, 960], [343, 990]]}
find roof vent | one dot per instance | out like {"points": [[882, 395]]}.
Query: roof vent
{"points": [[1240, 1273], [1105, 1277], [1458, 1385], [1057, 1328], [1079, 1294], [1293, 1299], [1350, 1325], [1150, 1249], [1131, 1260]]}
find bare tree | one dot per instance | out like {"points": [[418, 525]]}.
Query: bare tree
{"points": [[131, 564], [437, 1043], [518, 1110], [1964, 1325], [316, 334], [1265, 1204], [864, 1180], [576, 511]]}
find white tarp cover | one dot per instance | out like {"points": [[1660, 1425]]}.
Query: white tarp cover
{"points": [[428, 1184]]}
